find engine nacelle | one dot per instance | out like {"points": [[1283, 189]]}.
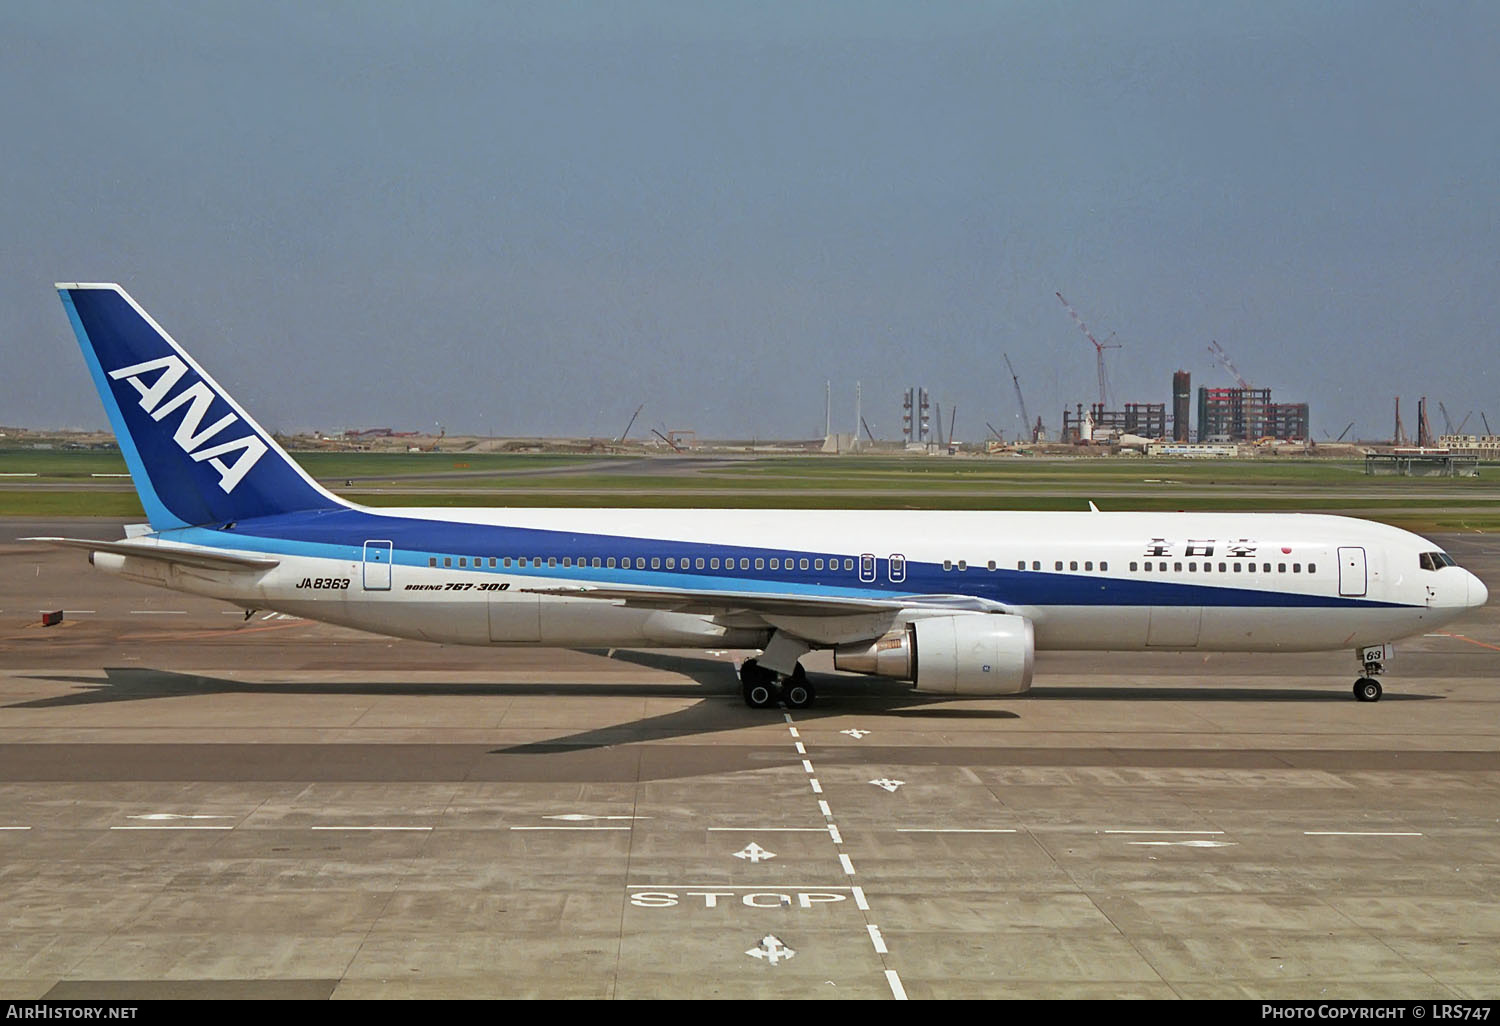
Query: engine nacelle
{"points": [[987, 654]]}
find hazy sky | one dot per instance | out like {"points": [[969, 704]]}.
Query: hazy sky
{"points": [[531, 218]]}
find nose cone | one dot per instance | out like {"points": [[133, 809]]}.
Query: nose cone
{"points": [[1478, 593]]}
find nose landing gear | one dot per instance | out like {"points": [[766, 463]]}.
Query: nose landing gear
{"points": [[1372, 658]]}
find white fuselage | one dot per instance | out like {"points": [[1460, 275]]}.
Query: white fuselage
{"points": [[1117, 581]]}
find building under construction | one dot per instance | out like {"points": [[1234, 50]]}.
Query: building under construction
{"points": [[1147, 420], [1248, 415], [1182, 397], [916, 414]]}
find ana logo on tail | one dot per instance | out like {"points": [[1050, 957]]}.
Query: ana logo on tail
{"points": [[190, 435]]}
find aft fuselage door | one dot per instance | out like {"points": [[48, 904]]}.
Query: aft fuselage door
{"points": [[377, 566], [1353, 574]]}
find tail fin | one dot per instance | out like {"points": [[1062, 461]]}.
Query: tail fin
{"points": [[196, 457]]}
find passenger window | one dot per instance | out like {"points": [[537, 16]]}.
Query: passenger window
{"points": [[848, 564], [1036, 564], [1312, 568], [1088, 564], [1103, 565], [963, 564], [1236, 568], [991, 565], [1132, 566], [817, 564], [1221, 568], [595, 561], [1057, 565], [947, 564], [1281, 568], [1192, 568], [656, 562], [1020, 564], [1073, 565], [698, 563], [447, 561], [802, 564], [462, 561], [610, 562], [760, 563], [432, 561], [775, 563], [1296, 568], [713, 564], [744, 563]]}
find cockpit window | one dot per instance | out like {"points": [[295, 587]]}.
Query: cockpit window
{"points": [[1436, 560]]}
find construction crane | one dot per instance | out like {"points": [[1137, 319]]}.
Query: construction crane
{"points": [[1217, 352], [1099, 347], [664, 438], [1025, 417], [634, 415]]}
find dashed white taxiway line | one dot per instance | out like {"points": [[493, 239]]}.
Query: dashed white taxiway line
{"points": [[892, 979]]}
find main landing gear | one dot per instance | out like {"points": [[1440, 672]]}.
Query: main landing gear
{"points": [[1372, 658], [763, 688]]}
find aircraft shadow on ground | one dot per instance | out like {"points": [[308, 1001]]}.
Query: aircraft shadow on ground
{"points": [[716, 689]]}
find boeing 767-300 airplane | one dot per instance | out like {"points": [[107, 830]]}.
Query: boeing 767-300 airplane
{"points": [[956, 603]]}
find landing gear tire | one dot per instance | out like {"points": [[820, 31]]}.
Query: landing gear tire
{"points": [[758, 685], [1367, 689], [798, 694], [759, 696]]}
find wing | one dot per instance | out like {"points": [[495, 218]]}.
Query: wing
{"points": [[769, 603]]}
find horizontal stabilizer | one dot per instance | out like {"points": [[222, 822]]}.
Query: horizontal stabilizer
{"points": [[206, 559]]}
